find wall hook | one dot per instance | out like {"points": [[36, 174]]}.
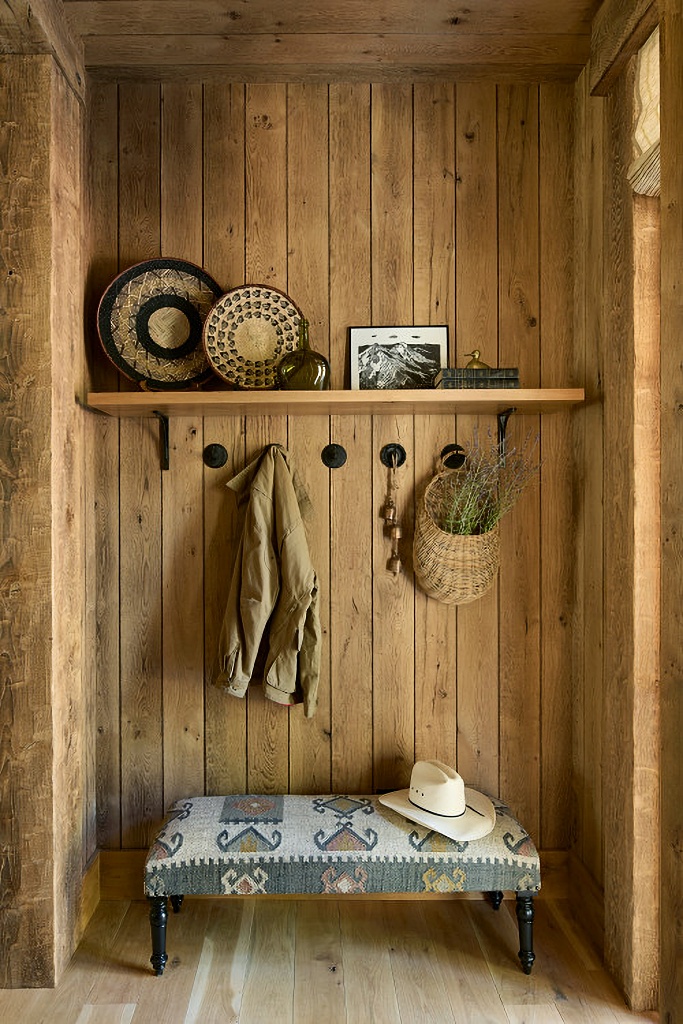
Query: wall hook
{"points": [[215, 456], [333, 456], [392, 455]]}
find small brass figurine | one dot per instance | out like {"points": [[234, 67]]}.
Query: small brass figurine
{"points": [[475, 362]]}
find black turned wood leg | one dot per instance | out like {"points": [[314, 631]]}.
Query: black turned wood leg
{"points": [[158, 915], [525, 918], [496, 898], [176, 903]]}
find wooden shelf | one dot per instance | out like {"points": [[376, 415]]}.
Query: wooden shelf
{"points": [[334, 403]]}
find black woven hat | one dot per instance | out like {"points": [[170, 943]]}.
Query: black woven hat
{"points": [[150, 322]]}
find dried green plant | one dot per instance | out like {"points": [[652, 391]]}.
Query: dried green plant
{"points": [[472, 499]]}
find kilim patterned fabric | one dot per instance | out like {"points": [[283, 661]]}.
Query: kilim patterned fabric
{"points": [[247, 844]]}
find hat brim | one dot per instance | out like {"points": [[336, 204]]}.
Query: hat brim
{"points": [[477, 821]]}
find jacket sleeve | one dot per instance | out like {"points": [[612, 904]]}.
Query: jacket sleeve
{"points": [[309, 656], [253, 595]]}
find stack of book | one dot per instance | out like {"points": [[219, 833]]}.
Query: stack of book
{"points": [[492, 377]]}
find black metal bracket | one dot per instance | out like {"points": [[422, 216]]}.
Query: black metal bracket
{"points": [[503, 418], [164, 444]]}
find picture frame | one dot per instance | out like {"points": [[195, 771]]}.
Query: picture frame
{"points": [[387, 358]]}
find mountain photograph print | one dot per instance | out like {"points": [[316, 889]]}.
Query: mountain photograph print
{"points": [[397, 357]]}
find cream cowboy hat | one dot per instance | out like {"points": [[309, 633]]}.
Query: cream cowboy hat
{"points": [[438, 799]]}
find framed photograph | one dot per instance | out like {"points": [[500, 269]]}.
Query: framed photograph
{"points": [[397, 357]]}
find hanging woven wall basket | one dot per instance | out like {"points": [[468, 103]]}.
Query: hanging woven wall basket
{"points": [[451, 567]]}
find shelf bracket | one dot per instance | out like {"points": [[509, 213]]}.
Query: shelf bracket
{"points": [[164, 446], [503, 418]]}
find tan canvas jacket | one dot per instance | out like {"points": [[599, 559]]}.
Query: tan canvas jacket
{"points": [[271, 627]]}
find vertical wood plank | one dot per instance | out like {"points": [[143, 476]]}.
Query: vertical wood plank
{"points": [[266, 263], [308, 275], [350, 490], [617, 762], [588, 437], [140, 508], [72, 685], [520, 530], [392, 287], [434, 303], [226, 716], [476, 283], [224, 256], [671, 994], [103, 565], [646, 601], [182, 540], [557, 534]]}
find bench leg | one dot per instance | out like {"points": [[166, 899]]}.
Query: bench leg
{"points": [[158, 915], [525, 919], [176, 903], [496, 898]]}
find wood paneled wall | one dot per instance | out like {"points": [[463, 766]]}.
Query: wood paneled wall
{"points": [[385, 204], [46, 760], [616, 678]]}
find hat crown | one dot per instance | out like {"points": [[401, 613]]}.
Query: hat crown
{"points": [[437, 788]]}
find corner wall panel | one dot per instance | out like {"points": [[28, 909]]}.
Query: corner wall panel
{"points": [[476, 308]]}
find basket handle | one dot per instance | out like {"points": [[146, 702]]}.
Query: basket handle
{"points": [[452, 457]]}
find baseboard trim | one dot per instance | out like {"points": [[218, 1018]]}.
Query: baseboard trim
{"points": [[592, 903]]}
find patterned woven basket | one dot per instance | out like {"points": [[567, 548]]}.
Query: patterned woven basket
{"points": [[450, 567]]}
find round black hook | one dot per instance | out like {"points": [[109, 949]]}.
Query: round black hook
{"points": [[333, 456], [215, 456], [392, 455]]}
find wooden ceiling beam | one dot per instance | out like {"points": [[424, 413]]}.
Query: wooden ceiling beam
{"points": [[217, 17], [40, 26], [357, 57], [620, 28]]}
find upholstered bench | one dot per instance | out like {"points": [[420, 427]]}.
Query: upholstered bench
{"points": [[245, 845]]}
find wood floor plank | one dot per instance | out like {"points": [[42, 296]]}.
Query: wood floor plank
{"points": [[217, 992], [499, 940], [105, 1014], [539, 1013], [420, 989], [318, 964], [269, 985], [459, 957], [369, 985]]}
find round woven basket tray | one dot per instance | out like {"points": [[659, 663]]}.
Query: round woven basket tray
{"points": [[150, 322], [450, 567], [248, 332]]}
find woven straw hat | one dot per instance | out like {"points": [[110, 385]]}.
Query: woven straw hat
{"points": [[439, 799]]}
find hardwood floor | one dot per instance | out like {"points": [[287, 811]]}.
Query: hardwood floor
{"points": [[291, 961]]}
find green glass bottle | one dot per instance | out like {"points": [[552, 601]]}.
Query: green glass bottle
{"points": [[303, 369]]}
